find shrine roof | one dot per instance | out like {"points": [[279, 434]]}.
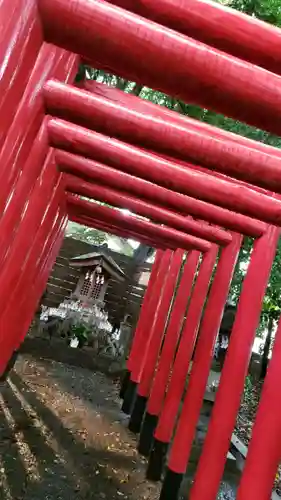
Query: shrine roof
{"points": [[105, 261]]}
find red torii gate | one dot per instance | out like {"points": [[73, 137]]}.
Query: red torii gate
{"points": [[153, 174], [141, 123]]}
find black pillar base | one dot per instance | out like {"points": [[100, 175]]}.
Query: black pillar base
{"points": [[137, 414], [171, 486], [146, 435], [10, 365], [124, 384], [157, 460], [130, 397]]}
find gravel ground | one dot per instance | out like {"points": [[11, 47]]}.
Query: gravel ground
{"points": [[63, 437]]}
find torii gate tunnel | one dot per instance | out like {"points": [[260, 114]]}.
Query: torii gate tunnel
{"points": [[195, 191]]}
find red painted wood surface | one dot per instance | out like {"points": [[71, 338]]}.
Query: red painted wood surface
{"points": [[145, 107], [181, 446], [158, 139], [17, 321], [12, 214], [163, 172], [97, 172], [166, 423], [110, 215], [140, 207], [28, 117], [153, 307], [217, 25], [159, 383], [230, 390], [132, 120], [33, 205], [18, 254], [51, 249], [21, 40], [140, 333], [141, 51], [20, 222], [158, 328], [28, 183]]}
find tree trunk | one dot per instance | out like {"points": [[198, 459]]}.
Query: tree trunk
{"points": [[141, 254], [81, 75], [265, 360]]}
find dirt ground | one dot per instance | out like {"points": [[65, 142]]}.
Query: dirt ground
{"points": [[63, 437], [245, 422]]}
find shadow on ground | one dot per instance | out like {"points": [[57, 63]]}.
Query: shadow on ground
{"points": [[62, 438]]}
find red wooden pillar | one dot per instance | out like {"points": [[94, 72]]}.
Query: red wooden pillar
{"points": [[17, 320], [200, 370], [264, 452], [41, 274], [140, 348], [26, 64], [28, 118], [145, 372], [137, 338], [51, 249], [11, 216], [14, 275], [166, 423], [159, 384], [211, 464], [21, 40], [28, 228]]}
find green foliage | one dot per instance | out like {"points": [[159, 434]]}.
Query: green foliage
{"points": [[86, 234], [81, 332], [248, 390], [266, 10]]}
